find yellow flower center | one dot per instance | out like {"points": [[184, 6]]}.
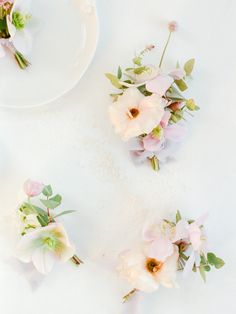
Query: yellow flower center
{"points": [[153, 266]]}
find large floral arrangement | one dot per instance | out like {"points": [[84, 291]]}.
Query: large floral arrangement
{"points": [[43, 240], [167, 247], [14, 36], [149, 109]]}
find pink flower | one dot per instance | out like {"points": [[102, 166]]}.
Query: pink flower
{"points": [[33, 188], [151, 143], [173, 26]]}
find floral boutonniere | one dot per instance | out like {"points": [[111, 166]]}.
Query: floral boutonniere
{"points": [[14, 36], [149, 109], [167, 247], [43, 240]]}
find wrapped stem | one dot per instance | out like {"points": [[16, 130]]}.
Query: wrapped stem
{"points": [[76, 260]]}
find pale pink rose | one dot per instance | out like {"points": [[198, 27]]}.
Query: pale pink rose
{"points": [[134, 114], [147, 273], [45, 246], [33, 188], [160, 84], [150, 73]]}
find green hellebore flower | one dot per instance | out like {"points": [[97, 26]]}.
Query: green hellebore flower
{"points": [[19, 20]]}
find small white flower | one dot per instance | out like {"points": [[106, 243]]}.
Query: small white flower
{"points": [[134, 114], [45, 246]]}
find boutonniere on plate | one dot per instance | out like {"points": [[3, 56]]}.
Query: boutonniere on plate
{"points": [[44, 241], [14, 35], [149, 110], [167, 247]]}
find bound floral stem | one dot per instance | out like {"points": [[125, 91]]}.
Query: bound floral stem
{"points": [[76, 260], [129, 295], [20, 59], [164, 50]]}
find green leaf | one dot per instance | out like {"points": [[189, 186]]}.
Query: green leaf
{"points": [[140, 70], [207, 268], [52, 202], [43, 220], [181, 85], [137, 61], [202, 272], [188, 67], [119, 73], [64, 213], [114, 80], [178, 216], [47, 191], [174, 94], [215, 261]]}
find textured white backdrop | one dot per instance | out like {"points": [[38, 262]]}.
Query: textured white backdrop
{"points": [[71, 145]]}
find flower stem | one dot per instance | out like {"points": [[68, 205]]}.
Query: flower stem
{"points": [[129, 295], [154, 163], [164, 50], [76, 260], [20, 59]]}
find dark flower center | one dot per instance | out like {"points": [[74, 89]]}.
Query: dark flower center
{"points": [[153, 266], [134, 112]]}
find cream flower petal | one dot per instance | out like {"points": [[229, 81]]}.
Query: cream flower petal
{"points": [[43, 260], [167, 275]]}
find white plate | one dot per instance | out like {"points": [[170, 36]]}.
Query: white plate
{"points": [[64, 44]]}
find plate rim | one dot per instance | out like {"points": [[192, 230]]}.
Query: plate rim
{"points": [[93, 35]]}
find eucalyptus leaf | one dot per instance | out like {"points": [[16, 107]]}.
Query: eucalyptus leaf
{"points": [[114, 80], [119, 73], [47, 191], [52, 202], [188, 67], [214, 260], [178, 216], [181, 85]]}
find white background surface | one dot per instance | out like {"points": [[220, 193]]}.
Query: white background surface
{"points": [[71, 145]]}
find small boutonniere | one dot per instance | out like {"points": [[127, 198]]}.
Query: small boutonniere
{"points": [[149, 110], [167, 247], [14, 35], [44, 241]]}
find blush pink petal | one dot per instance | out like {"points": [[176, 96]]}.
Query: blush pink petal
{"points": [[181, 230], [160, 84], [151, 143], [177, 74], [161, 248], [165, 119], [195, 236], [175, 132]]}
